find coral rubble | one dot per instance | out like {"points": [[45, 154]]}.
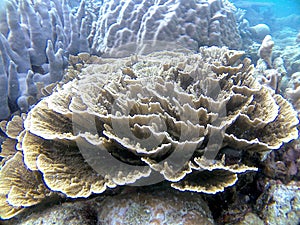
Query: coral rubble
{"points": [[177, 117]]}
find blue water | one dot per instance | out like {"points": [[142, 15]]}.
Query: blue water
{"points": [[279, 8]]}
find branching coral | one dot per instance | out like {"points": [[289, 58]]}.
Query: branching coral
{"points": [[35, 40], [143, 119]]}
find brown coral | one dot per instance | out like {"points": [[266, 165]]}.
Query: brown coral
{"points": [[19, 187], [164, 116]]}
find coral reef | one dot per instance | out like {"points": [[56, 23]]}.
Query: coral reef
{"points": [[291, 57], [277, 64], [298, 37], [19, 186], [189, 23], [180, 117], [179, 120], [36, 37], [292, 21], [274, 78]]}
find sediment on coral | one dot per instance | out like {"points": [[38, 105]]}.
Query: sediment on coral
{"points": [[177, 117]]}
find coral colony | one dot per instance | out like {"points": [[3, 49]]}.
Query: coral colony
{"points": [[83, 123]]}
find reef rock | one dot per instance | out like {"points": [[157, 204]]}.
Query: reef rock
{"points": [[280, 204], [250, 219], [158, 207], [284, 164], [259, 31], [140, 120], [151, 206]]}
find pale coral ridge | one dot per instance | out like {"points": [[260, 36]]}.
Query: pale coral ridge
{"points": [[138, 23]]}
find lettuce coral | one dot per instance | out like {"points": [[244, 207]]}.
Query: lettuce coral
{"points": [[148, 118]]}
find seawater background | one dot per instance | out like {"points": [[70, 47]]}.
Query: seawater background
{"points": [[278, 8]]}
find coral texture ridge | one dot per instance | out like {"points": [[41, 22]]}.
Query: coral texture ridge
{"points": [[138, 24]]}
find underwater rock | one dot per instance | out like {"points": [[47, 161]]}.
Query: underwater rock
{"points": [[280, 204], [158, 24], [250, 219], [141, 120], [283, 164], [83, 212], [259, 31], [147, 206], [155, 208]]}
